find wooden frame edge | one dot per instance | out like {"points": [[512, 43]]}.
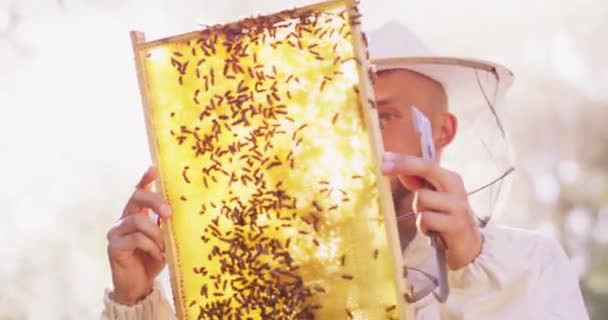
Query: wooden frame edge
{"points": [[184, 36], [138, 42], [384, 192]]}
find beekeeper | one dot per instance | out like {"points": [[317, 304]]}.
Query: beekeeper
{"points": [[493, 272]]}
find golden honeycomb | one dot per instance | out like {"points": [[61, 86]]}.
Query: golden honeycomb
{"points": [[265, 154]]}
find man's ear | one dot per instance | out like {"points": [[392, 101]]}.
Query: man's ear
{"points": [[447, 126]]}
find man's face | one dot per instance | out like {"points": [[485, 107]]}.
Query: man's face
{"points": [[396, 92]]}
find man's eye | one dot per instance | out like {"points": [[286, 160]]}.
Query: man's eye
{"points": [[385, 118]]}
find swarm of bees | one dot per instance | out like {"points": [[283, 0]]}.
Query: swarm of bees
{"points": [[265, 158]]}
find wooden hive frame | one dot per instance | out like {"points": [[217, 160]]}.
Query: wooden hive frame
{"points": [[370, 119]]}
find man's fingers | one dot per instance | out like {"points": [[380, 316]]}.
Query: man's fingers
{"points": [[136, 241], [153, 201], [428, 221], [441, 179], [142, 199], [137, 223], [147, 179], [430, 200], [145, 184]]}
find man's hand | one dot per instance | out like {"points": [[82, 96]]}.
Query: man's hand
{"points": [[135, 244], [445, 210]]}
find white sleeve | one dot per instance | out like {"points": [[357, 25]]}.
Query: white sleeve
{"points": [[154, 307], [518, 275]]}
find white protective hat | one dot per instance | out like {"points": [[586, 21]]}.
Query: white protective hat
{"points": [[481, 151]]}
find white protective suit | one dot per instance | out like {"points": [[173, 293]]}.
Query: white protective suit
{"points": [[518, 275]]}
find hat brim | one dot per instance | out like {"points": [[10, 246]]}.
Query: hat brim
{"points": [[481, 152], [467, 82]]}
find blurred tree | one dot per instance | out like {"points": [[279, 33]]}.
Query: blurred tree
{"points": [[564, 156]]}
